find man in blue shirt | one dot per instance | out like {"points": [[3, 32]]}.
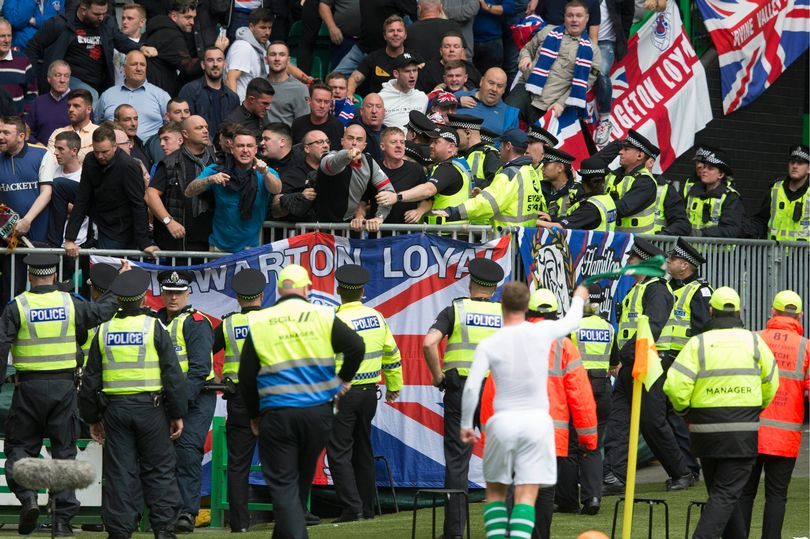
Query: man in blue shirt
{"points": [[486, 102], [242, 186]]}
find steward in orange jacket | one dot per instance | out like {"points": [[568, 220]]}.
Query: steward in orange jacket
{"points": [[780, 424]]}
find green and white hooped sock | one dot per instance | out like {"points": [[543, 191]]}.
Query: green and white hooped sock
{"points": [[495, 520], [521, 522]]}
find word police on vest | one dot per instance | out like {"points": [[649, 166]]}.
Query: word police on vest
{"points": [[124, 338], [48, 315], [367, 322], [593, 335], [483, 320], [54, 474], [240, 332]]}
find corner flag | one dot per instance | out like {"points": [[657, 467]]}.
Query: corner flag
{"points": [[647, 365]]}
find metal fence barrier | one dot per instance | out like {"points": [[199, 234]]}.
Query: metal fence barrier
{"points": [[757, 269]]}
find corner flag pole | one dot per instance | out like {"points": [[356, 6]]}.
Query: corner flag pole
{"points": [[632, 460]]}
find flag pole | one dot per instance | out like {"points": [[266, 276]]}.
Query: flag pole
{"points": [[632, 458]]}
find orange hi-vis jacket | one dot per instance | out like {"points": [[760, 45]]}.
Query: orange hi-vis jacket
{"points": [[780, 424], [568, 389]]}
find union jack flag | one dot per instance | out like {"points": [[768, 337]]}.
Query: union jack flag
{"points": [[756, 41]]}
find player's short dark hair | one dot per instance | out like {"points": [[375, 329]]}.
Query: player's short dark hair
{"points": [[170, 127], [72, 138], [259, 86], [104, 132], [261, 15], [515, 297], [81, 93]]}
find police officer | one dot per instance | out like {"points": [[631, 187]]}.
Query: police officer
{"points": [[101, 277], [449, 183], [287, 374], [785, 211], [40, 328], [420, 128], [351, 459], [539, 139], [482, 157], [594, 340], [633, 186], [701, 151], [781, 423], [689, 316], [721, 381], [193, 339], [133, 395], [419, 154], [593, 209], [513, 198], [558, 186], [465, 323], [715, 208], [488, 136], [650, 297], [248, 285], [670, 212]]}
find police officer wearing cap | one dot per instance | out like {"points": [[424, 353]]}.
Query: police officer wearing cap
{"points": [[781, 423], [482, 157], [230, 335], [193, 338], [689, 316], [40, 328], [488, 136], [538, 140], [701, 151], [465, 323], [351, 459], [513, 198], [288, 379], [449, 182], [133, 395], [100, 279], [785, 211], [652, 297], [715, 208], [420, 129], [721, 381], [558, 186], [593, 209], [633, 187], [419, 154]]}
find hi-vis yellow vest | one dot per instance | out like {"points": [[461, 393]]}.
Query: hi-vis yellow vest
{"points": [[441, 202], [594, 339], [642, 222], [606, 208], [790, 219], [46, 340], [677, 331], [382, 354], [474, 321], [179, 339], [632, 308], [129, 359], [235, 330]]}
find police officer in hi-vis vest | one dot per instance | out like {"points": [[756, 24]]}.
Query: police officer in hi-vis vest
{"points": [[593, 209], [101, 277], [481, 156], [288, 381], [133, 395], [785, 211], [465, 323], [193, 337], [230, 335], [351, 459], [40, 328], [721, 381], [633, 187]]}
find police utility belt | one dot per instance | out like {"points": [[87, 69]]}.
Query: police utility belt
{"points": [[155, 398], [27, 376]]}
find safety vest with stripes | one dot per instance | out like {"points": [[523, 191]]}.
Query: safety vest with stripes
{"points": [[474, 321], [642, 222], [46, 340], [476, 159], [705, 211], [235, 331], [512, 199], [441, 202], [780, 425], [594, 340], [293, 341], [632, 308], [382, 354], [722, 380], [179, 340], [678, 328], [660, 212], [606, 208], [129, 359], [790, 219]]}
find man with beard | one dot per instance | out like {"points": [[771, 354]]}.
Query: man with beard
{"points": [[80, 107], [208, 96]]}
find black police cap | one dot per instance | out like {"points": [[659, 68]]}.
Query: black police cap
{"points": [[41, 264], [418, 152], [537, 133], [592, 167], [175, 280], [131, 285], [248, 283], [644, 249], [464, 121], [352, 276], [421, 124], [683, 250], [102, 276], [638, 141], [488, 135], [485, 272]]}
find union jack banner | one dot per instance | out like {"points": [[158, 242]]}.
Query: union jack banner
{"points": [[756, 41]]}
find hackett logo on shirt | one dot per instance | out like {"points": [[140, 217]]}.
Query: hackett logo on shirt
{"points": [[483, 320], [367, 322], [19, 186], [54, 314], [124, 338]]}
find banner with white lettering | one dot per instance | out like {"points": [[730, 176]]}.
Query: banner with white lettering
{"points": [[659, 88], [413, 278], [756, 41]]}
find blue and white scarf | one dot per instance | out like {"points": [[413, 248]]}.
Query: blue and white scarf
{"points": [[549, 51]]}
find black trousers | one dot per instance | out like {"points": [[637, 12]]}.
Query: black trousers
{"points": [[138, 454], [351, 459], [64, 193], [778, 471], [678, 423], [44, 408], [521, 99], [310, 26], [290, 442], [241, 445], [190, 448], [456, 455], [585, 468], [725, 479], [654, 427]]}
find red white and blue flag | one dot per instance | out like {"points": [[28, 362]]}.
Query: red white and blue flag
{"points": [[756, 40]]}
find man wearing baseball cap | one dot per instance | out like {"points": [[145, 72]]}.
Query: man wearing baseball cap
{"points": [[400, 95], [287, 372], [780, 425], [785, 211], [721, 381]]}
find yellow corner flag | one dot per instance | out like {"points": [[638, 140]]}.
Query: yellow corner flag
{"points": [[646, 370]]}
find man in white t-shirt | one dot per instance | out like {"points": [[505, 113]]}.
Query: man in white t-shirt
{"points": [[400, 95], [520, 435], [66, 146], [246, 57]]}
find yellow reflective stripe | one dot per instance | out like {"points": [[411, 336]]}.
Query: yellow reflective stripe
{"points": [[784, 425], [51, 358], [294, 363], [458, 364], [140, 362], [299, 388], [709, 428], [372, 355]]}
